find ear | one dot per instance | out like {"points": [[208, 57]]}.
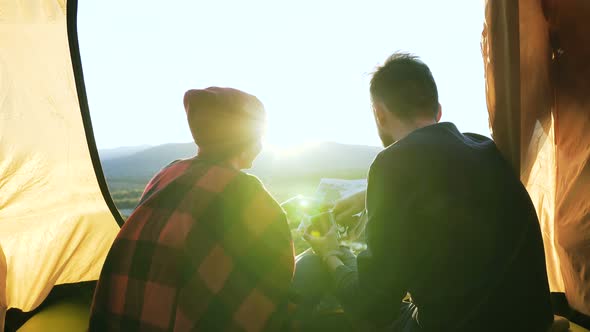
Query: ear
{"points": [[379, 111], [439, 113]]}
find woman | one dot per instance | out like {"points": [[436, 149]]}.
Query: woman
{"points": [[207, 248]]}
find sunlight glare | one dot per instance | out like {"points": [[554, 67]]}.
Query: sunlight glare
{"points": [[290, 150]]}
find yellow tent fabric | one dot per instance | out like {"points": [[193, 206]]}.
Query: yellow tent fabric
{"points": [[55, 226], [537, 65]]}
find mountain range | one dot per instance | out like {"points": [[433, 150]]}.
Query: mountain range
{"points": [[138, 164]]}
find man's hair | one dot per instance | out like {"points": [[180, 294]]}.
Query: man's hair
{"points": [[404, 84]]}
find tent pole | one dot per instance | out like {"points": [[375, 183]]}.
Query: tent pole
{"points": [[72, 25]]}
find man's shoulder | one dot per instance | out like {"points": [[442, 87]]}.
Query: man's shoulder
{"points": [[417, 140], [396, 153], [429, 140], [432, 143], [479, 141]]}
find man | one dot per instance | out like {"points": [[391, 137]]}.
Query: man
{"points": [[449, 224], [207, 248]]}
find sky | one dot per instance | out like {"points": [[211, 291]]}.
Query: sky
{"points": [[308, 61]]}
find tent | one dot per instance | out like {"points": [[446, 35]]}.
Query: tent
{"points": [[537, 64], [57, 219], [56, 224]]}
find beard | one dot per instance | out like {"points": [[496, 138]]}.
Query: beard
{"points": [[387, 140]]}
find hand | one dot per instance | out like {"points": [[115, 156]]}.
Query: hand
{"points": [[323, 245], [346, 208], [347, 257], [356, 231]]}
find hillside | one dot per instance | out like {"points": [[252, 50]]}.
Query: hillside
{"points": [[142, 165], [107, 154], [284, 176]]}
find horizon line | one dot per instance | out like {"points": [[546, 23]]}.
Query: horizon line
{"points": [[267, 146]]}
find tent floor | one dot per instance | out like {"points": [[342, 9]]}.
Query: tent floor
{"points": [[69, 308], [69, 314]]}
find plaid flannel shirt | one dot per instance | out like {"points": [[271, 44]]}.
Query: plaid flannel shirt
{"points": [[207, 249]]}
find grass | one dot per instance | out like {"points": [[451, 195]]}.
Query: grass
{"points": [[126, 194]]}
